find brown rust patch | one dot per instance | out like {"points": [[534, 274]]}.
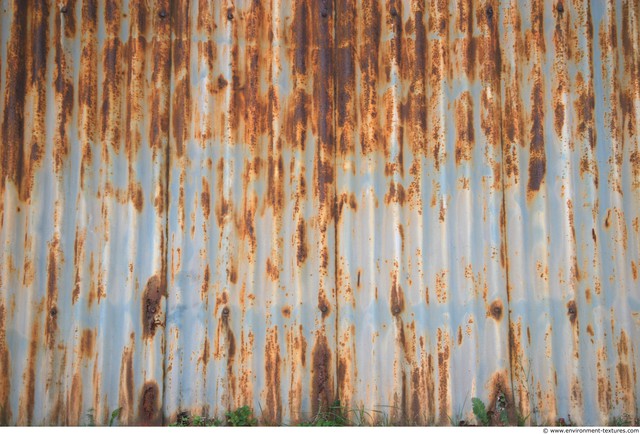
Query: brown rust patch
{"points": [[154, 290], [87, 344], [136, 196], [441, 287], [301, 238], [634, 270], [286, 311], [51, 327], [78, 253], [149, 406], [204, 290], [396, 194], [5, 368], [272, 270], [572, 311], [397, 295], [322, 382], [496, 310], [27, 51], [205, 199], [232, 274], [590, 330], [444, 397], [464, 128], [537, 155], [272, 368], [126, 389]]}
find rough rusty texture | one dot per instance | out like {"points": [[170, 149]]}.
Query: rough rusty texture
{"points": [[396, 204], [83, 134]]}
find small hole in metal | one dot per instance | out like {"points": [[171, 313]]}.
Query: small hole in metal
{"points": [[489, 12]]}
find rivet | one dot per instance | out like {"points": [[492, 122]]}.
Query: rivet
{"points": [[53, 311], [323, 308], [396, 310], [560, 7], [229, 16], [225, 311], [64, 9], [394, 11], [163, 14]]}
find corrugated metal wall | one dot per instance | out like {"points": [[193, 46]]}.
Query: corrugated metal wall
{"points": [[398, 204]]}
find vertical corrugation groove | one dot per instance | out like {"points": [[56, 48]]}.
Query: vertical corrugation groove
{"points": [[206, 204]]}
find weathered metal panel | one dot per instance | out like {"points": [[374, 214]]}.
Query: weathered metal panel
{"points": [[84, 88], [572, 188], [398, 204], [251, 307], [420, 247]]}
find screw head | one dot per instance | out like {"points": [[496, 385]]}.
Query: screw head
{"points": [[229, 15], [53, 311], [225, 311], [64, 9], [560, 7], [323, 308], [163, 14]]}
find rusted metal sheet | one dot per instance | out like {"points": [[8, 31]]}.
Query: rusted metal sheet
{"points": [[422, 302], [251, 307], [84, 89], [572, 187], [398, 204]]}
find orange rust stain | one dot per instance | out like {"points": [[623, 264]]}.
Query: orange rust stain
{"points": [[286, 311], [87, 343], [51, 327], [272, 368], [272, 270], [634, 270], [5, 367], [444, 398], [464, 128], [441, 286], [136, 196], [397, 295], [572, 311], [205, 199], [232, 274], [149, 404], [496, 310], [78, 253], [204, 290], [302, 250], [396, 194], [537, 156], [322, 380], [126, 389], [28, 51], [154, 290]]}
